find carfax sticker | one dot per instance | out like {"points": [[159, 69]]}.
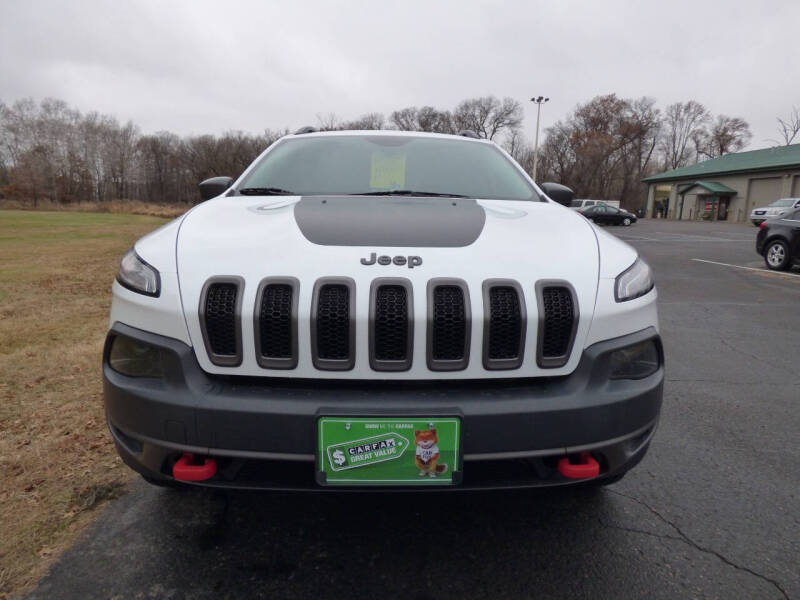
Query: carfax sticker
{"points": [[418, 451], [388, 170]]}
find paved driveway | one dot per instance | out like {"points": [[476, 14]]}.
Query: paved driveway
{"points": [[712, 512]]}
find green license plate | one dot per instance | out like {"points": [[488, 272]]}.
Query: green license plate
{"points": [[389, 451]]}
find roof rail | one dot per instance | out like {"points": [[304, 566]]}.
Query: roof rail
{"points": [[469, 133], [306, 129]]}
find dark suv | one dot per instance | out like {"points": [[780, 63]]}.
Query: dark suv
{"points": [[778, 241]]}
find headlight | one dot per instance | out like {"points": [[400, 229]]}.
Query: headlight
{"points": [[134, 358], [138, 276], [635, 281], [635, 362]]}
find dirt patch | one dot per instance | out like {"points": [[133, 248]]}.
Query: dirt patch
{"points": [[57, 461]]}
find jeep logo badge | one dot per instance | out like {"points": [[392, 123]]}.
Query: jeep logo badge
{"points": [[411, 261]]}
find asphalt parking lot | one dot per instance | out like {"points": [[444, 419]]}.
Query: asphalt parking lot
{"points": [[712, 512]]}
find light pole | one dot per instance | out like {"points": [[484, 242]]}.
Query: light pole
{"points": [[539, 100]]}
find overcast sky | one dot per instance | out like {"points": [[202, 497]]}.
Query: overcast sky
{"points": [[207, 67]]}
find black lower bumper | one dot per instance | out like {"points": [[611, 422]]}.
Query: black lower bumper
{"points": [[262, 431]]}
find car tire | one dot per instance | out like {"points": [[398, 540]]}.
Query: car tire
{"points": [[626, 221], [776, 255]]}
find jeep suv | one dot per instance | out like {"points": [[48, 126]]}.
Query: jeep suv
{"points": [[396, 309]]}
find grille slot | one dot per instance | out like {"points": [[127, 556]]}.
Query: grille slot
{"points": [[333, 324], [449, 325], [504, 324], [220, 316], [558, 319], [391, 324], [276, 323]]}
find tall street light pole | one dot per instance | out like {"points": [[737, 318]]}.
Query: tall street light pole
{"points": [[539, 100]]}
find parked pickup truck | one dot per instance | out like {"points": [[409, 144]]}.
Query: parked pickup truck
{"points": [[382, 309]]}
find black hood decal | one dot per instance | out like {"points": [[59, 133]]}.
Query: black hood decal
{"points": [[390, 221]]}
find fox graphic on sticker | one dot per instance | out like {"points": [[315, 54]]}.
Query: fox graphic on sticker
{"points": [[426, 456]]}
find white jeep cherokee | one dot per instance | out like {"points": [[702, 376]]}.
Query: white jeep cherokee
{"points": [[382, 309]]}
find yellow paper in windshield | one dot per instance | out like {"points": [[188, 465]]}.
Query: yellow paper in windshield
{"points": [[388, 170]]}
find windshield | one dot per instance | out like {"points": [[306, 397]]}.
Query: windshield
{"points": [[374, 164], [783, 202], [576, 204]]}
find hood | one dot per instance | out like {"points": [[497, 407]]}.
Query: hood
{"points": [[253, 237], [364, 238]]}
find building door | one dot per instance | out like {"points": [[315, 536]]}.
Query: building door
{"points": [[722, 210]]}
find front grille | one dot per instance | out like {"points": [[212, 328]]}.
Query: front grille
{"points": [[219, 318], [558, 317], [504, 329], [333, 321], [448, 325], [333, 324], [276, 323], [391, 325]]}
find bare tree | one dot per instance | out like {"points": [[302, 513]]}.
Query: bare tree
{"points": [[435, 120], [426, 118], [369, 121], [405, 119], [604, 148], [684, 122], [789, 128], [328, 122], [49, 150], [488, 116], [519, 148], [726, 135]]}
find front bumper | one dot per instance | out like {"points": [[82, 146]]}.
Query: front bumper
{"points": [[262, 431]]}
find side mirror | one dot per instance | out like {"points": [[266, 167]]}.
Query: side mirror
{"points": [[211, 188], [558, 193]]}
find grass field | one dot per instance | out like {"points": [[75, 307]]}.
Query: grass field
{"points": [[57, 462]]}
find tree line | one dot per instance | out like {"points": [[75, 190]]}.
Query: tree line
{"points": [[602, 149]]}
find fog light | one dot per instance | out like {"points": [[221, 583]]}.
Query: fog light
{"points": [[134, 358], [635, 362]]}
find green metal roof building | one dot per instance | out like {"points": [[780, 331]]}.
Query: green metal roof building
{"points": [[726, 188]]}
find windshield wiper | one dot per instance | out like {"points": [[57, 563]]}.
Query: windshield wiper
{"points": [[265, 191], [410, 193]]}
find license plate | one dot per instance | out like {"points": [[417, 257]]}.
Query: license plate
{"points": [[419, 451]]}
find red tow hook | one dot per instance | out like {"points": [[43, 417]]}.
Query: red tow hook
{"points": [[185, 470], [586, 467]]}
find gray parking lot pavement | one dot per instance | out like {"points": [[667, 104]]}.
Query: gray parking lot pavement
{"points": [[712, 511]]}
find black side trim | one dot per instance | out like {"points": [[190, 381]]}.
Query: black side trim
{"points": [[554, 362], [223, 360], [273, 362], [331, 364], [437, 364], [489, 362], [376, 363]]}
